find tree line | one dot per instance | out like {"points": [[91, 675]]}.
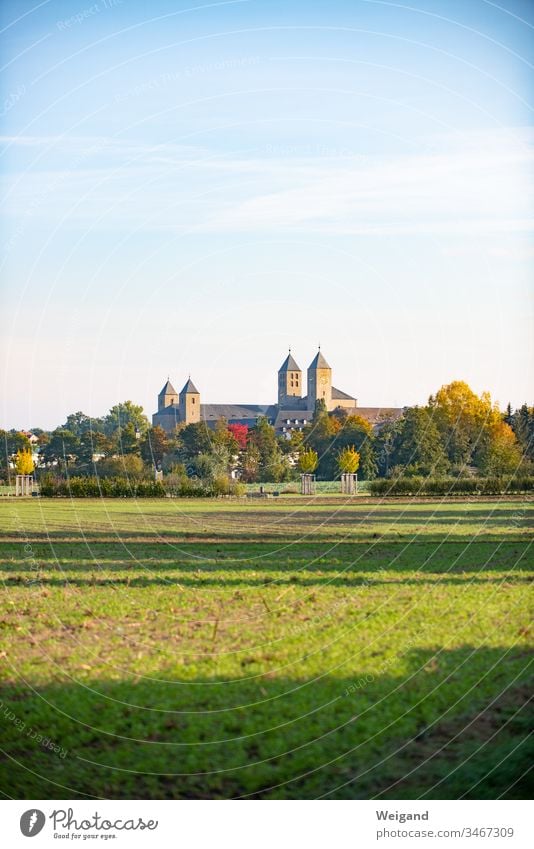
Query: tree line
{"points": [[456, 433]]}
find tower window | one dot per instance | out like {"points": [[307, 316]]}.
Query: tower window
{"points": [[193, 400]]}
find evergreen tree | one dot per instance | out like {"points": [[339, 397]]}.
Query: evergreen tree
{"points": [[418, 445], [523, 427], [273, 465], [384, 447]]}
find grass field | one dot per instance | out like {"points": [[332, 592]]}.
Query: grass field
{"points": [[275, 649]]}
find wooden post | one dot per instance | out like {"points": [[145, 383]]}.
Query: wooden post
{"points": [[23, 485], [349, 484], [307, 484]]}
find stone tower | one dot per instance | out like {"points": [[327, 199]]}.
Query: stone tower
{"points": [[289, 382], [167, 397], [319, 382], [190, 403]]}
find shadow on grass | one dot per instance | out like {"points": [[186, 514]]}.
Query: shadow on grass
{"points": [[331, 580], [329, 532], [220, 565], [319, 556], [444, 724]]}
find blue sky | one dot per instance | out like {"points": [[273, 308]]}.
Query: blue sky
{"points": [[192, 188]]}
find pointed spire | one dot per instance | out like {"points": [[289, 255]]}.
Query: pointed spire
{"points": [[168, 389], [289, 364], [318, 361], [189, 388]]}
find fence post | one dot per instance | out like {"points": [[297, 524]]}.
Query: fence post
{"points": [[349, 484], [307, 484], [23, 484]]}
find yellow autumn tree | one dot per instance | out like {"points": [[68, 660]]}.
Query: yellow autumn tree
{"points": [[358, 422], [348, 460], [462, 417], [473, 431], [308, 461], [499, 452], [24, 462]]}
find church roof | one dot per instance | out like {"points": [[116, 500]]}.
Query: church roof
{"points": [[189, 389], [338, 395], [289, 364], [168, 389], [318, 361], [379, 415], [244, 413], [294, 416]]}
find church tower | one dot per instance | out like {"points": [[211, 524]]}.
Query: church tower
{"points": [[289, 382], [167, 396], [190, 403], [319, 382]]}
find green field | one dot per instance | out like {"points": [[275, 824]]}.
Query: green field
{"points": [[285, 648]]}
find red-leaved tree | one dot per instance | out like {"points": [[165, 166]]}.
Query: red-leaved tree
{"points": [[239, 432]]}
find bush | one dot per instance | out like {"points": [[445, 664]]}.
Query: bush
{"points": [[451, 486], [181, 486], [127, 466], [118, 487], [93, 487]]}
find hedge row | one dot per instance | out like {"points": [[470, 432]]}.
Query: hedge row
{"points": [[93, 487], [450, 486]]}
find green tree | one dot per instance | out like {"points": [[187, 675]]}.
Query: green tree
{"points": [[210, 467], [368, 468], [522, 423], [124, 414], [154, 446], [79, 423], [127, 466], [11, 441], [273, 465], [127, 439], [250, 463], [320, 435], [418, 443], [92, 445], [61, 450], [384, 447], [192, 440], [358, 432], [216, 462]]}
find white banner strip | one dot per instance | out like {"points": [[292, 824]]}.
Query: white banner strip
{"points": [[255, 824]]}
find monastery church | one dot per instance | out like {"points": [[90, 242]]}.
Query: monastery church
{"points": [[292, 412]]}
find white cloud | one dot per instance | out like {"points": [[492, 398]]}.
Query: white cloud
{"points": [[484, 188], [469, 183]]}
